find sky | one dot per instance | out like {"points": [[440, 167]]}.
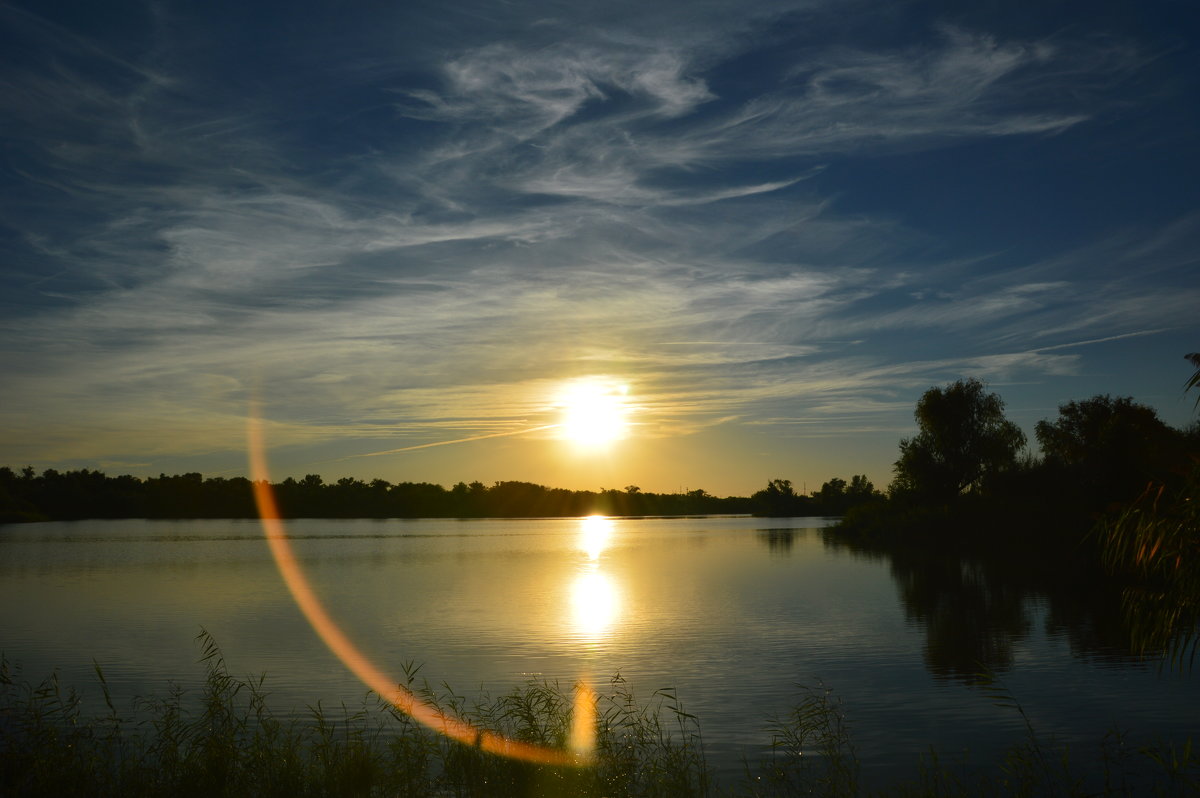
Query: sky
{"points": [[407, 231]]}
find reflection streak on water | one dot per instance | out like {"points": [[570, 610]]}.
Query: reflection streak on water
{"points": [[595, 600], [594, 604], [595, 535]]}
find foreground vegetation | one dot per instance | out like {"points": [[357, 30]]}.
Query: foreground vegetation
{"points": [[226, 741]]}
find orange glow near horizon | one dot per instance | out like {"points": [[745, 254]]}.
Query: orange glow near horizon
{"points": [[583, 718]]}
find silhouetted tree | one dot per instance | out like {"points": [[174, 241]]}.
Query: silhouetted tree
{"points": [[514, 499], [15, 505], [418, 500], [1108, 449], [964, 438], [177, 496], [837, 496], [779, 499], [832, 495], [861, 487]]}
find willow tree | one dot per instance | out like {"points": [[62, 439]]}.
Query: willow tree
{"points": [[964, 438]]}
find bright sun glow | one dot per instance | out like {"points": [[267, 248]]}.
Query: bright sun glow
{"points": [[594, 413]]}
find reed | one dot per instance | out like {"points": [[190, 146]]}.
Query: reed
{"points": [[226, 741]]}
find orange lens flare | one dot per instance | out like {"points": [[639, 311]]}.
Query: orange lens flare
{"points": [[583, 722], [584, 716]]}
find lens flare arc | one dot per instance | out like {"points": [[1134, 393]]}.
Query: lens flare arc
{"points": [[366, 671]]}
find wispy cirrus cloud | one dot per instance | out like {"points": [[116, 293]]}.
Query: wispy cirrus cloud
{"points": [[520, 92], [543, 121], [964, 85]]}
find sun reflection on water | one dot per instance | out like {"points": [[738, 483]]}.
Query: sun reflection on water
{"points": [[595, 600], [594, 603], [596, 534]]}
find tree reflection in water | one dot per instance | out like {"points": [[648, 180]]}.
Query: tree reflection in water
{"points": [[779, 541], [976, 608], [971, 617]]}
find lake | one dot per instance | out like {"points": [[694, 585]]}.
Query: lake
{"points": [[737, 614]]}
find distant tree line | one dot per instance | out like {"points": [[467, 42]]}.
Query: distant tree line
{"points": [[71, 495]]}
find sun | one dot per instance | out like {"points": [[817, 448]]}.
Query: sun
{"points": [[594, 413]]}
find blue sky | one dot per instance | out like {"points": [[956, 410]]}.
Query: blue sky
{"points": [[401, 224]]}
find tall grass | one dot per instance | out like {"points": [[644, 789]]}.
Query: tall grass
{"points": [[226, 741], [1156, 539]]}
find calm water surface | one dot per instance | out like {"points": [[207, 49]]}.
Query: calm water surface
{"points": [[736, 614]]}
